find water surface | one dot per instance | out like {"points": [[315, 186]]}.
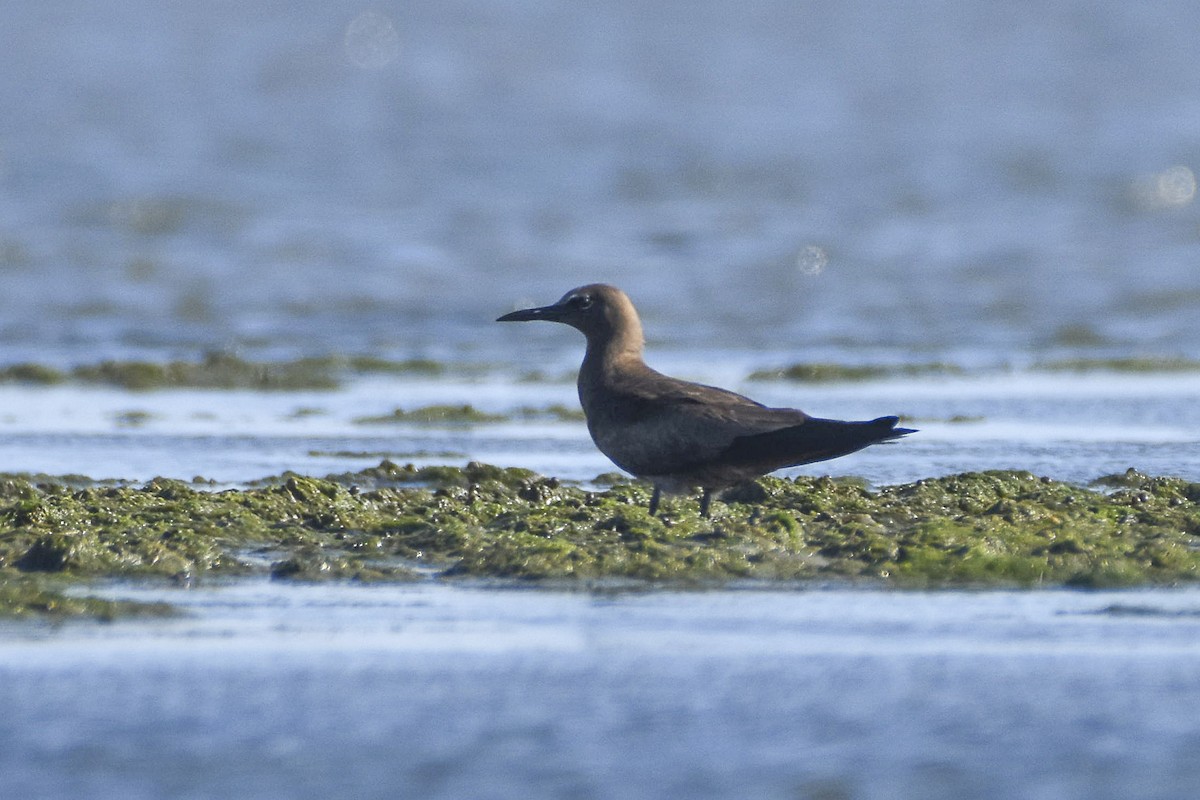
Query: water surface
{"points": [[774, 182], [439, 691], [972, 181]]}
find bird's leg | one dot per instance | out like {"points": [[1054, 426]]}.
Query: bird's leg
{"points": [[654, 498], [705, 502]]}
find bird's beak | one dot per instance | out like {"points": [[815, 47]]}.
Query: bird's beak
{"points": [[552, 313]]}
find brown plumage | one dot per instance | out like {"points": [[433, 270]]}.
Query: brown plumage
{"points": [[680, 435]]}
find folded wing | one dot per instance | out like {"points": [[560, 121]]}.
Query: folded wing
{"points": [[812, 440], [680, 424]]}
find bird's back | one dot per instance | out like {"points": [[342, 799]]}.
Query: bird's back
{"points": [[652, 424], [655, 426]]}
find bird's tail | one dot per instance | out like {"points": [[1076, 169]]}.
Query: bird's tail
{"points": [[813, 440], [888, 426]]}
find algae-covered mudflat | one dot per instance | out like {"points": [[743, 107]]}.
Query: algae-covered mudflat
{"points": [[1017, 480], [397, 523]]}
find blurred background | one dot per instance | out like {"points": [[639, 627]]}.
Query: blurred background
{"points": [[976, 182], [971, 185]]}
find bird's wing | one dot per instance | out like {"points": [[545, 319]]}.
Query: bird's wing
{"points": [[671, 425], [813, 440]]}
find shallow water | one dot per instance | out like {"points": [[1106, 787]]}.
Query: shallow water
{"points": [[974, 181], [774, 182], [436, 691], [1075, 428]]}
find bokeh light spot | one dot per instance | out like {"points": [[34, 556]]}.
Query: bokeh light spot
{"points": [[812, 260], [1172, 188], [371, 41], [1176, 186]]}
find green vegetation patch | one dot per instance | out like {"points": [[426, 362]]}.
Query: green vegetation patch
{"points": [[469, 415], [398, 522], [555, 412], [220, 371], [833, 373], [215, 371], [433, 415], [1131, 365], [36, 597]]}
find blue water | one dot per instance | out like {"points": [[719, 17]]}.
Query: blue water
{"points": [[441, 692], [1072, 428], [978, 180], [987, 184]]}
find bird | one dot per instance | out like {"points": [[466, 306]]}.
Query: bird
{"points": [[680, 435]]}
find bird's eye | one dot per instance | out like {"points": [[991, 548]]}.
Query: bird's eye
{"points": [[582, 301]]}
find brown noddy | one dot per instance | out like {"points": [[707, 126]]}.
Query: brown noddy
{"points": [[681, 435]]}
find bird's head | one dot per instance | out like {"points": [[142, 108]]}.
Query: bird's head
{"points": [[603, 313]]}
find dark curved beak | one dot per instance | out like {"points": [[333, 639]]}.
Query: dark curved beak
{"points": [[548, 313]]}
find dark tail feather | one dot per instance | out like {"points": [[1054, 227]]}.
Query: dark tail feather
{"points": [[813, 440], [889, 424]]}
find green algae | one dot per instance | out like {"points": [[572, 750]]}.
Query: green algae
{"points": [[221, 371], [819, 372], [30, 597], [1147, 364], [373, 365], [134, 418], [396, 523], [38, 374], [433, 415], [214, 371], [555, 412], [469, 415]]}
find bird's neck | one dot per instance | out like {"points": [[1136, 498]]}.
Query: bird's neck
{"points": [[607, 364], [617, 350]]}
